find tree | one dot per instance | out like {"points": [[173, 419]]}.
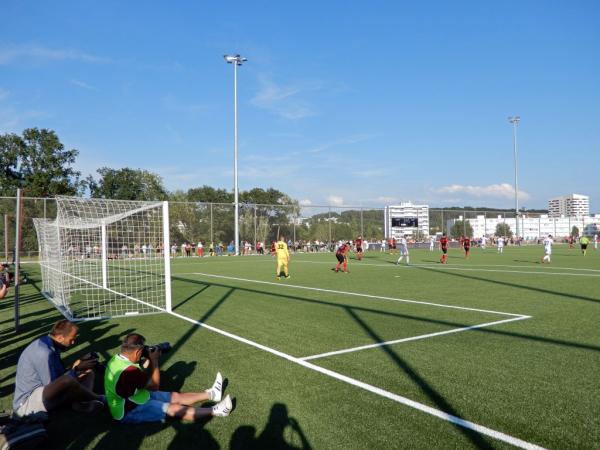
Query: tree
{"points": [[574, 231], [461, 228], [127, 184], [38, 163], [503, 229]]}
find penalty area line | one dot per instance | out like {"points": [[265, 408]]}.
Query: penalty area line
{"points": [[413, 338], [498, 435]]}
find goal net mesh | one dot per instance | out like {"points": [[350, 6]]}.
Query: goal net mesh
{"points": [[104, 258]]}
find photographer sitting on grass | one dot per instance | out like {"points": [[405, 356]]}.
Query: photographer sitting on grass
{"points": [[133, 395], [42, 382]]}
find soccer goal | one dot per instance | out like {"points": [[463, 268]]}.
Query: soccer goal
{"points": [[106, 258]]}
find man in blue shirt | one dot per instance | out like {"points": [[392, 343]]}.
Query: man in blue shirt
{"points": [[42, 382]]}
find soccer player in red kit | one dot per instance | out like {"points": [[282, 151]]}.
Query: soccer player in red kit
{"points": [[342, 257], [466, 242], [359, 250], [444, 247]]}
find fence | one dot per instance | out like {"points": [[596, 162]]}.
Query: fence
{"points": [[311, 227]]}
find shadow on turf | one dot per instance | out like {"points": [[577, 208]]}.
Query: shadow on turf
{"points": [[386, 313], [440, 402], [281, 432], [512, 285]]}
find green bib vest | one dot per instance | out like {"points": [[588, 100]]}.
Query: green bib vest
{"points": [[116, 404]]}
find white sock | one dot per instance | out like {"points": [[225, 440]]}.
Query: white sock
{"points": [[216, 390]]}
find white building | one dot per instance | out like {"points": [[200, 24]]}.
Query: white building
{"points": [[533, 227], [406, 218], [573, 205]]}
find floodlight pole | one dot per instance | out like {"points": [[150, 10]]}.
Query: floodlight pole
{"points": [[515, 122], [236, 60]]}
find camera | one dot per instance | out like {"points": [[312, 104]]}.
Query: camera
{"points": [[90, 355], [163, 347]]}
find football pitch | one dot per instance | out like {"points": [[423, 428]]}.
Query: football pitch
{"points": [[494, 351]]}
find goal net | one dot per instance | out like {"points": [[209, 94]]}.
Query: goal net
{"points": [[105, 258]]}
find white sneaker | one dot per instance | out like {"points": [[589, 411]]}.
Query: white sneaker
{"points": [[223, 408], [216, 391]]}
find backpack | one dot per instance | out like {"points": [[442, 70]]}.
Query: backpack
{"points": [[18, 435]]}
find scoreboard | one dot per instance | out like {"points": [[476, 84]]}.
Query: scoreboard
{"points": [[404, 222]]}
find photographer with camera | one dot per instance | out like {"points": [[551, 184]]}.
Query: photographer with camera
{"points": [[42, 382], [133, 395]]}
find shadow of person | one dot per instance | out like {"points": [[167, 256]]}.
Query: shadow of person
{"points": [[281, 432], [174, 377], [192, 435]]}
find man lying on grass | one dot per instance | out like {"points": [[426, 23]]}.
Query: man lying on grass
{"points": [[133, 395], [42, 382]]}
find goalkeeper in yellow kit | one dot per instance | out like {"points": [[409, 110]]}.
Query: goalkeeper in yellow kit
{"points": [[283, 257]]}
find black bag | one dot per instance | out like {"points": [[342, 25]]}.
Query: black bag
{"points": [[18, 435]]}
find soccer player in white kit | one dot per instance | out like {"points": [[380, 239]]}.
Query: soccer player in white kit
{"points": [[403, 250], [547, 249], [431, 243], [595, 242], [483, 242], [500, 244]]}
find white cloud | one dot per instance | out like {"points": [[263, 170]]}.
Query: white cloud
{"points": [[503, 190], [305, 202], [348, 140], [335, 200], [284, 101], [12, 53], [83, 85]]}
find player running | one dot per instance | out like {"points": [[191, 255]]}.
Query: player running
{"points": [[431, 243], [342, 256], [283, 258], [466, 242], [547, 249], [358, 243], [444, 247], [403, 250]]}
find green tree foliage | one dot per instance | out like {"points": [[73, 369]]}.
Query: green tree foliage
{"points": [[127, 184], [461, 228], [502, 229], [574, 231], [38, 163]]}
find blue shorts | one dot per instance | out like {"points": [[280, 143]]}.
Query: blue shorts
{"points": [[154, 410]]}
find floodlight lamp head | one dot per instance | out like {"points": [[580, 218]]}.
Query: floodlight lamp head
{"points": [[235, 59]]}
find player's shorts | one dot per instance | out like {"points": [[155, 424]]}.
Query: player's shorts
{"points": [[583, 246], [467, 248], [404, 251], [444, 251], [359, 250], [282, 262], [393, 247], [339, 257], [154, 410]]}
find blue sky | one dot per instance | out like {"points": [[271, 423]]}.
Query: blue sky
{"points": [[352, 103]]}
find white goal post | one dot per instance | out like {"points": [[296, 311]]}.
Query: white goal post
{"points": [[106, 258]]}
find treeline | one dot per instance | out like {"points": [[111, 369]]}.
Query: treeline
{"points": [[38, 163]]}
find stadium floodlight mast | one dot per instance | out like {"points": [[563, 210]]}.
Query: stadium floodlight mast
{"points": [[515, 122], [236, 60]]}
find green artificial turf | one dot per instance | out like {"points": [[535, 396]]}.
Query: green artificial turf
{"points": [[534, 379]]}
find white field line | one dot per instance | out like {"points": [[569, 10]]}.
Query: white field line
{"points": [[266, 258], [375, 390], [413, 338], [441, 268], [355, 294]]}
